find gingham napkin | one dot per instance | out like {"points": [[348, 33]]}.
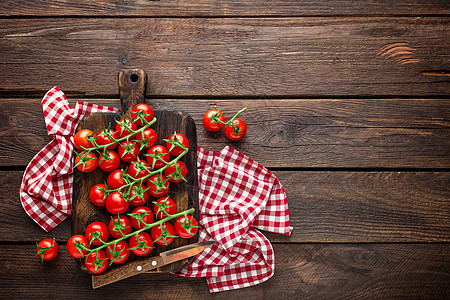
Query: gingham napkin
{"points": [[237, 197], [46, 189]]}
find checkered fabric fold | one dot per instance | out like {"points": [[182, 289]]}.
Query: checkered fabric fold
{"points": [[238, 196], [46, 189]]}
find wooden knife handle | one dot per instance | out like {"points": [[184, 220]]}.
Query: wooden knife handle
{"points": [[132, 84], [127, 270]]}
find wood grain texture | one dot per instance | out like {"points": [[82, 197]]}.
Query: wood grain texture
{"points": [[226, 57], [358, 207], [220, 8], [314, 271], [355, 133]]}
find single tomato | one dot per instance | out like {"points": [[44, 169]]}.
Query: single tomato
{"points": [[213, 120], [139, 111], [80, 140], [148, 138], [141, 216], [115, 179], [176, 142], [237, 131], [158, 185], [86, 162], [157, 157], [96, 264], [139, 169], [47, 249], [77, 240], [128, 151], [163, 234], [176, 172], [106, 136], [118, 252], [164, 206], [97, 194], [119, 226], [116, 204], [125, 127], [111, 163], [186, 226], [138, 195], [96, 232], [141, 244]]}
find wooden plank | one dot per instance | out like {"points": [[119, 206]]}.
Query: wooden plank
{"points": [[229, 57], [317, 271], [359, 207], [221, 8], [393, 133]]}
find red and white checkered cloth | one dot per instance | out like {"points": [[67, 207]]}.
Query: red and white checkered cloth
{"points": [[238, 197], [46, 189]]}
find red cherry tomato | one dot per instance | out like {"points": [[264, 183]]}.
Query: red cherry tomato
{"points": [[123, 224], [137, 169], [163, 234], [102, 138], [177, 150], [176, 172], [143, 246], [128, 151], [158, 186], [110, 164], [97, 232], [186, 227], [164, 206], [157, 157], [116, 204], [80, 140], [47, 249], [238, 133], [115, 179], [97, 194], [141, 215], [122, 130], [94, 268], [211, 120], [149, 137], [141, 195], [73, 250], [118, 252], [145, 110], [90, 162]]}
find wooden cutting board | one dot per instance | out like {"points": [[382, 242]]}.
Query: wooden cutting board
{"points": [[132, 85]]}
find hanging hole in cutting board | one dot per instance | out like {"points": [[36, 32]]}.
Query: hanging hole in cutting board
{"points": [[134, 77]]}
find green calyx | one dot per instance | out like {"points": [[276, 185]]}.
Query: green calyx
{"points": [[164, 235], [188, 225], [140, 244], [162, 207]]}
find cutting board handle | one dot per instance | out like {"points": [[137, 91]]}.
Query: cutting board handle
{"points": [[132, 84]]}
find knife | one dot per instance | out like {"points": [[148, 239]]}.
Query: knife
{"points": [[144, 265]]}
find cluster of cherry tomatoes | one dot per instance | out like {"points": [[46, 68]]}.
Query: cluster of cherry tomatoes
{"points": [[235, 129], [143, 178]]}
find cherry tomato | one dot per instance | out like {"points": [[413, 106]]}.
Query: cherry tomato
{"points": [[97, 194], [47, 249], [146, 111], [90, 162], [143, 246], [110, 164], [141, 195], [116, 204], [123, 224], [122, 130], [100, 266], [77, 239], [177, 150], [176, 172], [141, 215], [158, 185], [128, 151], [97, 232], [103, 139], [163, 234], [80, 139], [186, 227], [115, 179], [118, 252], [137, 169], [238, 133], [164, 206], [157, 157], [149, 137], [210, 120]]}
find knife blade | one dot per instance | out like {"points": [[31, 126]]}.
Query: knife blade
{"points": [[147, 264]]}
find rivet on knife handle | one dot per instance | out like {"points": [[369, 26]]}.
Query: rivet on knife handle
{"points": [[127, 270]]}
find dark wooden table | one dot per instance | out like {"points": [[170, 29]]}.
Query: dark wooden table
{"points": [[348, 104]]}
